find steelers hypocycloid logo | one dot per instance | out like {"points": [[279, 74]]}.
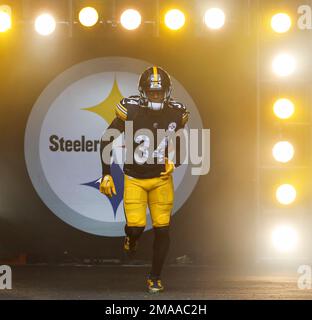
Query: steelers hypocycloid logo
{"points": [[62, 143]]}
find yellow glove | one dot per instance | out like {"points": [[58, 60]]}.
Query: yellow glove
{"points": [[169, 167], [107, 186]]}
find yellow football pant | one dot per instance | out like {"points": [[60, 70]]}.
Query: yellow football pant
{"points": [[157, 193]]}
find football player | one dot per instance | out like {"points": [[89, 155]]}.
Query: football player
{"points": [[147, 183]]}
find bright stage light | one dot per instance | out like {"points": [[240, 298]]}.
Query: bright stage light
{"points": [[286, 194], [283, 151], [284, 238], [88, 17], [281, 22], [214, 18], [5, 18], [45, 24], [283, 108], [130, 19], [174, 19], [284, 65]]}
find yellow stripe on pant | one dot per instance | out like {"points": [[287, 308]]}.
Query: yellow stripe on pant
{"points": [[157, 193]]}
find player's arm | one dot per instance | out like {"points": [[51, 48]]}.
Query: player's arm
{"points": [[180, 140], [107, 185], [184, 117], [170, 165]]}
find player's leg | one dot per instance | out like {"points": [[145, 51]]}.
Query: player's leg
{"points": [[160, 249], [135, 204], [160, 200]]}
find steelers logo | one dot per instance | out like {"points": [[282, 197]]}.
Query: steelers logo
{"points": [[62, 143]]}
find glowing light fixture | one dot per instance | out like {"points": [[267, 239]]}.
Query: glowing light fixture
{"points": [[45, 24], [88, 16], [284, 65], [214, 18], [286, 194], [281, 22], [130, 19], [283, 108], [5, 18], [283, 151], [284, 238], [174, 19]]}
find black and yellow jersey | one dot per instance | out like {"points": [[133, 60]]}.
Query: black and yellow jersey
{"points": [[173, 116]]}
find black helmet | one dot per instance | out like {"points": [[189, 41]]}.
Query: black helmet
{"points": [[155, 87]]}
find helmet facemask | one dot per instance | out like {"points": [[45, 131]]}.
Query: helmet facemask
{"points": [[156, 91], [155, 99]]}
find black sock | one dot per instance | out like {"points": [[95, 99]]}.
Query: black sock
{"points": [[160, 250]]}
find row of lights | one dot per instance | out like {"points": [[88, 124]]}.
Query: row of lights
{"points": [[130, 19], [284, 237], [283, 64]]}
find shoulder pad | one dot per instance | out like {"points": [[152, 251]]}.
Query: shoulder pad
{"points": [[134, 97], [182, 108], [121, 109], [133, 100]]}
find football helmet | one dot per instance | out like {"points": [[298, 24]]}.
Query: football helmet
{"points": [[155, 87]]}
